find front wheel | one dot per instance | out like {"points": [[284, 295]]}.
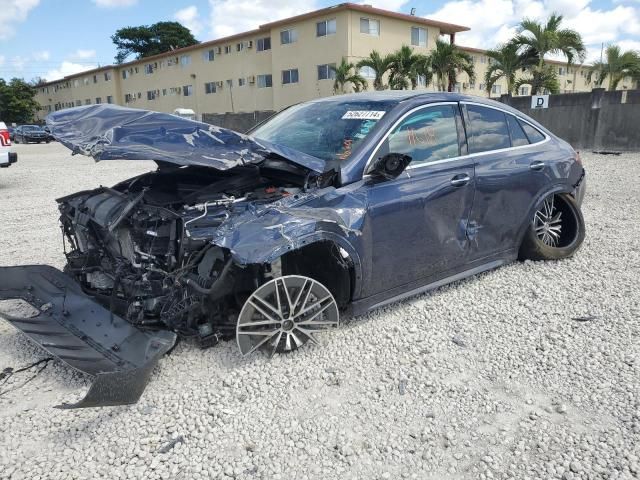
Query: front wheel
{"points": [[284, 314], [556, 231]]}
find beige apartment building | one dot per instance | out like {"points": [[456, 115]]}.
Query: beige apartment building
{"points": [[272, 67]]}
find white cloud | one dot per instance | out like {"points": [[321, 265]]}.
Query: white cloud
{"points": [[67, 68], [81, 54], [190, 18], [41, 56], [13, 12], [494, 21], [233, 16], [114, 3]]}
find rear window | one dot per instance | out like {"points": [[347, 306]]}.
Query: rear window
{"points": [[518, 137], [533, 133], [489, 129]]}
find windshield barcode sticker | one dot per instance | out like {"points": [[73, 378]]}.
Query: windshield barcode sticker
{"points": [[363, 115]]}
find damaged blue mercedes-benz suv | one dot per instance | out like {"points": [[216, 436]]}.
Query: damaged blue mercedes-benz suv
{"points": [[331, 207]]}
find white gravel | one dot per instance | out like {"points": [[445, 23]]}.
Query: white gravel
{"points": [[492, 377]]}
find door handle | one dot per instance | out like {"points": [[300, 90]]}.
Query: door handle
{"points": [[460, 180], [537, 165]]}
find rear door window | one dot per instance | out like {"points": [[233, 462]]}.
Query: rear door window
{"points": [[489, 129], [427, 135], [533, 133], [518, 137]]}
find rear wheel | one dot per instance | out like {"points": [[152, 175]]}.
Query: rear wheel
{"points": [[284, 314], [556, 231]]}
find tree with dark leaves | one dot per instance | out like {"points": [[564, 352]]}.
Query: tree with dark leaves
{"points": [[147, 40]]}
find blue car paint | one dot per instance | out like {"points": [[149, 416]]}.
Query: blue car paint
{"points": [[403, 235]]}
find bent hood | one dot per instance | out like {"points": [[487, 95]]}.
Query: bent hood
{"points": [[111, 132]]}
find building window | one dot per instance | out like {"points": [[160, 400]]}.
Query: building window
{"points": [[326, 27], [95, 79], [264, 44], [290, 76], [148, 69], [109, 99], [78, 103], [239, 46], [562, 71], [107, 76], [370, 26], [419, 36], [242, 82], [482, 87], [76, 83], [151, 95], [185, 60], [209, 55], [164, 92], [524, 91], [327, 71], [472, 85], [496, 89], [421, 80], [227, 49], [125, 74], [86, 80], [87, 101], [187, 90], [98, 100], [288, 36], [483, 59], [210, 87], [367, 72], [127, 98], [265, 81]]}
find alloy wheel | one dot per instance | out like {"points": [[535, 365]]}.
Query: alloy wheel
{"points": [[284, 314], [547, 222]]}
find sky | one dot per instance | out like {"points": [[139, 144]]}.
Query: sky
{"points": [[54, 38]]}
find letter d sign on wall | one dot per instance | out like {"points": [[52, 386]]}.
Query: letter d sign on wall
{"points": [[539, 101]]}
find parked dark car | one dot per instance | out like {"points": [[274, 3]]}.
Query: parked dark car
{"points": [[334, 206], [50, 137], [30, 133], [11, 130]]}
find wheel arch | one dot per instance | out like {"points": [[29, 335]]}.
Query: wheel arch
{"points": [[551, 189]]}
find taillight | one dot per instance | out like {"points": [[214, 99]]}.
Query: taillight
{"points": [[5, 140]]}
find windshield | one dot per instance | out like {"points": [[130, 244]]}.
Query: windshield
{"points": [[31, 128], [326, 130]]}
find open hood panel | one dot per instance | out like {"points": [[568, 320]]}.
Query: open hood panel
{"points": [[110, 132]]}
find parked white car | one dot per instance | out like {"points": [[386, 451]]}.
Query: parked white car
{"points": [[6, 157]]}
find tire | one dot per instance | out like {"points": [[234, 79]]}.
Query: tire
{"points": [[556, 231]]}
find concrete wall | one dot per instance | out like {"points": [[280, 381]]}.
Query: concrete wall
{"points": [[598, 120], [240, 122]]}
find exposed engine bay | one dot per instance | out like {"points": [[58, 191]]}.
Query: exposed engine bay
{"points": [[142, 248]]}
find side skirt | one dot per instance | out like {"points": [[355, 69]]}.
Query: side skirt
{"points": [[365, 305]]}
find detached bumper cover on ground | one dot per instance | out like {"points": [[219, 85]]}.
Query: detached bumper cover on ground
{"points": [[83, 334]]}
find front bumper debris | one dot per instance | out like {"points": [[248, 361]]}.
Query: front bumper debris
{"points": [[73, 327]]}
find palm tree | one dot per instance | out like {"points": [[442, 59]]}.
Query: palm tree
{"points": [[538, 40], [506, 62], [379, 64], [404, 68], [541, 79], [616, 66], [344, 75], [446, 60]]}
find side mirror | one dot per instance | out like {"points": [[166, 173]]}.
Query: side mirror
{"points": [[389, 166]]}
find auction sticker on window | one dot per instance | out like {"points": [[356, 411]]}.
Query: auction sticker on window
{"points": [[363, 115]]}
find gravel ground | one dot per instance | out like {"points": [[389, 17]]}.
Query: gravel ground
{"points": [[530, 371]]}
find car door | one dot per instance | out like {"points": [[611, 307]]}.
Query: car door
{"points": [[417, 221], [510, 172]]}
